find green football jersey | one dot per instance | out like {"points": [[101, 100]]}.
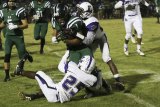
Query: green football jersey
{"points": [[77, 25], [3, 5], [42, 10], [157, 2], [13, 17]]}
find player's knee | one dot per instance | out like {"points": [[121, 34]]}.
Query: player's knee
{"points": [[37, 37], [106, 58], [7, 57], [128, 36], [139, 35], [62, 67]]}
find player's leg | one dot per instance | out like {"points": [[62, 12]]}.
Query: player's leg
{"points": [[8, 48], [1, 48], [63, 64], [44, 29], [104, 47], [128, 28], [47, 86], [37, 30], [138, 26], [30, 97], [133, 36], [101, 87]]}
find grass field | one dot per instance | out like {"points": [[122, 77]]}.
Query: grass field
{"points": [[140, 74]]}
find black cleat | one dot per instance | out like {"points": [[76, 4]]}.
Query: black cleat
{"points": [[19, 69], [1, 48], [7, 79], [41, 51], [119, 86], [27, 56]]}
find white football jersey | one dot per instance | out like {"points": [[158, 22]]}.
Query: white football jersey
{"points": [[92, 24]]}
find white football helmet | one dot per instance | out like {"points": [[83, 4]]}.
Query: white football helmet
{"points": [[87, 64], [85, 10]]}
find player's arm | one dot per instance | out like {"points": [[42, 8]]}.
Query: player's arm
{"points": [[2, 25], [91, 33], [23, 17], [145, 3], [24, 24], [75, 41], [119, 4]]}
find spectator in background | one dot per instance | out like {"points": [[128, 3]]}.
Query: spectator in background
{"points": [[157, 3]]}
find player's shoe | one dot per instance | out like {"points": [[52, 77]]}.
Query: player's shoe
{"points": [[19, 66], [41, 51], [28, 97], [126, 51], [6, 79], [140, 52], [119, 86]]}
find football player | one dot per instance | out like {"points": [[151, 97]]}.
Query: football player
{"points": [[14, 19], [157, 3], [132, 18], [2, 6], [94, 33], [40, 10], [77, 77], [77, 31]]}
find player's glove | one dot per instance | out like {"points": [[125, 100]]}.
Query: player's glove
{"points": [[35, 17], [60, 36], [54, 39], [11, 26]]}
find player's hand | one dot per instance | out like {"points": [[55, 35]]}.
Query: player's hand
{"points": [[35, 17], [61, 36], [12, 26]]}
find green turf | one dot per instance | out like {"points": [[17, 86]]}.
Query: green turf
{"points": [[140, 74]]}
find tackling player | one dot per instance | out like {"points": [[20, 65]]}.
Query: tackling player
{"points": [[76, 78]]}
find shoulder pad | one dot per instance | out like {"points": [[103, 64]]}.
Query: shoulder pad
{"points": [[19, 11]]}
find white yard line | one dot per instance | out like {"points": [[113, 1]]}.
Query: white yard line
{"points": [[138, 100]]}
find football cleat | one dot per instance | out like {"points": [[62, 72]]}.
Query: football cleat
{"points": [[41, 51], [140, 52], [126, 51], [119, 86], [23, 96], [19, 68], [27, 56], [6, 79]]}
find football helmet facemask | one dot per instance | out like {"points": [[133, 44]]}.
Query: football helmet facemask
{"points": [[61, 13], [85, 10]]}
